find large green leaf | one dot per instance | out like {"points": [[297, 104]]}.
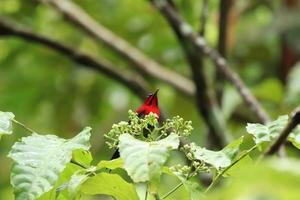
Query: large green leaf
{"points": [[144, 160], [230, 100], [218, 159], [294, 137], [109, 184], [6, 123], [39, 160], [269, 84], [192, 185], [293, 85], [76, 180], [268, 180], [110, 164], [82, 157], [265, 133], [59, 191]]}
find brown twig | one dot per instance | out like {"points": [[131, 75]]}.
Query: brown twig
{"points": [[187, 32], [292, 124], [141, 61], [205, 99], [212, 138], [224, 8], [223, 24], [135, 84], [203, 17]]}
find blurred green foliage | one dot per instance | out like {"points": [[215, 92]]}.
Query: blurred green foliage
{"points": [[54, 95]]}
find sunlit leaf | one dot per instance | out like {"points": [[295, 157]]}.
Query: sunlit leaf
{"points": [[230, 100], [192, 186], [74, 184], [141, 190], [110, 164], [218, 159], [109, 184], [293, 85], [294, 137], [6, 123], [144, 160], [39, 160], [265, 133], [269, 84], [273, 179], [82, 157], [235, 169], [59, 191]]}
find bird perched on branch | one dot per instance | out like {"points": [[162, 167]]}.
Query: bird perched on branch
{"points": [[149, 105]]}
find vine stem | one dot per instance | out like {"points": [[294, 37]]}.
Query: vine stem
{"points": [[146, 194], [78, 164], [216, 180], [23, 126], [190, 174], [173, 190]]}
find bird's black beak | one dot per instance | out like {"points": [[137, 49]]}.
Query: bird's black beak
{"points": [[155, 93]]}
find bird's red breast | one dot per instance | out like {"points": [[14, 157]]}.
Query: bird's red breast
{"points": [[150, 105]]}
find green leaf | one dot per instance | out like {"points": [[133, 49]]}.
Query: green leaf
{"points": [[293, 85], [59, 192], [235, 169], [194, 188], [114, 166], [6, 123], [230, 100], [82, 157], [144, 160], [141, 189], [110, 164], [192, 185], [39, 160], [266, 133], [109, 184], [269, 179], [294, 137], [269, 84], [218, 159], [74, 184]]}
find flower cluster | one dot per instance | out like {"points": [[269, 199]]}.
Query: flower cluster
{"points": [[179, 126], [147, 128], [196, 165], [181, 170]]}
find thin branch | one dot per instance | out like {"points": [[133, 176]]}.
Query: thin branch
{"points": [[23, 126], [213, 139], [135, 84], [224, 8], [172, 190], [78, 164], [141, 61], [223, 24], [292, 124], [187, 32], [203, 17], [217, 179], [205, 99]]}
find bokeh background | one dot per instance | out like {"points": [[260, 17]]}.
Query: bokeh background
{"points": [[51, 94]]}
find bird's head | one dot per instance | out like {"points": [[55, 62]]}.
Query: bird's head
{"points": [[149, 105]]}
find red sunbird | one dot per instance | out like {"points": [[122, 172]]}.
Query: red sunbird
{"points": [[149, 105]]}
